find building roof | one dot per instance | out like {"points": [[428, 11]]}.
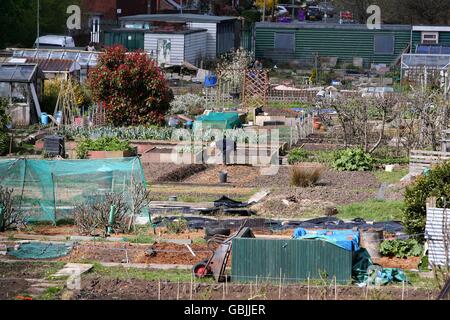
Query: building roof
{"points": [[322, 25], [431, 28], [55, 65], [83, 58], [15, 72], [178, 17]]}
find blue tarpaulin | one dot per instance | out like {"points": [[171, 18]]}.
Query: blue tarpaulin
{"points": [[346, 239]]}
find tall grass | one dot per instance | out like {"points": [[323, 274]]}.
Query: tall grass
{"points": [[306, 175]]}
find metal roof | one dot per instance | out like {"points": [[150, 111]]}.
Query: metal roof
{"points": [[10, 72], [55, 65], [83, 58], [322, 25], [178, 17]]}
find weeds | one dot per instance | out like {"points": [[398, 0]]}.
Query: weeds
{"points": [[306, 175]]}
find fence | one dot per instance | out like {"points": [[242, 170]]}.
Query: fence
{"points": [[419, 160], [438, 236]]}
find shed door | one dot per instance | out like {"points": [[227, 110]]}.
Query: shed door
{"points": [[164, 49]]}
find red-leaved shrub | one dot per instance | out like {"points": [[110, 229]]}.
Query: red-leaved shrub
{"points": [[132, 86]]}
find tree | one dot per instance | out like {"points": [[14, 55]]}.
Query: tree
{"points": [[132, 86]]}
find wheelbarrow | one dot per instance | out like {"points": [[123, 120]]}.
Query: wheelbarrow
{"points": [[215, 266]]}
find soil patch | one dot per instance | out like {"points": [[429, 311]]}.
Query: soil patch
{"points": [[393, 262], [161, 253], [169, 172], [96, 288]]}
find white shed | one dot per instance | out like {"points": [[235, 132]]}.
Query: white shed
{"points": [[223, 33], [175, 47]]}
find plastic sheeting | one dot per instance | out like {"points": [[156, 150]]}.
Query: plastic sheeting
{"points": [[47, 190], [345, 239], [365, 271], [218, 120]]}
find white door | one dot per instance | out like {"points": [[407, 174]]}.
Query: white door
{"points": [[164, 49], [95, 34]]}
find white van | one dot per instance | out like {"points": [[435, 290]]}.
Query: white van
{"points": [[54, 41]]}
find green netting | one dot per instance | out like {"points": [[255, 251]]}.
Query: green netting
{"points": [[218, 120], [48, 190], [41, 250]]}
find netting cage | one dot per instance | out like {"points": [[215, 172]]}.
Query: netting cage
{"points": [[49, 190]]}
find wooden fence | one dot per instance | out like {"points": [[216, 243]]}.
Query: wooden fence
{"points": [[419, 160]]}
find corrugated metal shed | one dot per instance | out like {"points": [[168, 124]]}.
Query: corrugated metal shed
{"points": [[437, 233], [55, 65], [296, 260], [329, 40]]}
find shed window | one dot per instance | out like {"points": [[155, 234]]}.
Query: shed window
{"points": [[284, 41], [383, 44], [430, 37]]}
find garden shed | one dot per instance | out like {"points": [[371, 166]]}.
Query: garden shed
{"points": [[223, 33], [176, 47], [21, 84], [284, 42], [48, 190]]}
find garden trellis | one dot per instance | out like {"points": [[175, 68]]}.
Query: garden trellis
{"points": [[48, 190]]}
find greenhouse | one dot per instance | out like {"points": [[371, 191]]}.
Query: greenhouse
{"points": [[48, 190], [425, 68]]}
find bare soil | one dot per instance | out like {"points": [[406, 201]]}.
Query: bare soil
{"points": [[169, 172], [95, 287], [159, 253]]}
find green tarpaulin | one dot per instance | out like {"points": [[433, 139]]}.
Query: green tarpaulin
{"points": [[218, 120]]}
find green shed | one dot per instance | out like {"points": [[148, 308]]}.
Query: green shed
{"points": [[218, 120], [131, 39], [284, 42], [431, 36], [293, 260]]}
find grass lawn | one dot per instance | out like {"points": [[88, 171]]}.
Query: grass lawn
{"points": [[391, 177], [375, 210]]}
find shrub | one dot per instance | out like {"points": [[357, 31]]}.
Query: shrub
{"points": [[297, 155], [401, 248], [93, 218], [132, 86], [435, 184], [102, 144], [190, 104], [11, 217], [306, 175], [177, 226], [353, 160], [4, 143]]}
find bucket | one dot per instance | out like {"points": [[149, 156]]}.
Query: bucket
{"points": [[44, 118], [371, 241], [223, 177]]}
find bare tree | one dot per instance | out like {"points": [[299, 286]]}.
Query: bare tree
{"points": [[140, 199], [11, 217]]}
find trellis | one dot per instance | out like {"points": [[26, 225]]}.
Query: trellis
{"points": [[255, 88]]}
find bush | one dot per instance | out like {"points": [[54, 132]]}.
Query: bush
{"points": [[435, 184], [297, 155], [102, 144], [132, 86], [306, 175], [11, 217], [177, 226], [190, 104], [401, 248], [93, 218], [353, 160]]}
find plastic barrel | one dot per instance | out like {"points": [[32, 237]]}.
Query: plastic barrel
{"points": [[44, 118]]}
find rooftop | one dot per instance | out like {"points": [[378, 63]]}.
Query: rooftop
{"points": [[11, 72], [178, 17], [322, 25]]}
